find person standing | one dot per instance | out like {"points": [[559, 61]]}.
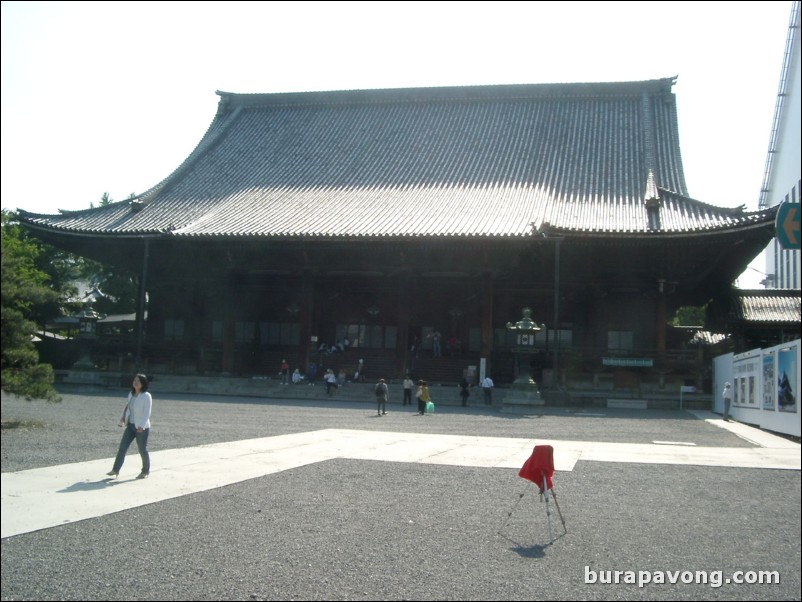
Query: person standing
{"points": [[408, 384], [331, 381], [311, 371], [136, 420], [487, 389], [415, 347], [436, 336], [423, 396], [464, 391], [727, 396], [285, 372], [382, 393]]}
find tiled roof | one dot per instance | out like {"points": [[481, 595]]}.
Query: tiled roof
{"points": [[696, 335], [705, 337], [589, 159], [773, 305]]}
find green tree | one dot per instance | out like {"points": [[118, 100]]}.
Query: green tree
{"points": [[120, 288], [24, 291], [39, 283], [689, 316]]}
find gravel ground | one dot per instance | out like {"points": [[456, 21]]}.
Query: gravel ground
{"points": [[361, 530]]}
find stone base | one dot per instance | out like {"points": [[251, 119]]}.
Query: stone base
{"points": [[523, 399], [84, 363], [630, 404]]}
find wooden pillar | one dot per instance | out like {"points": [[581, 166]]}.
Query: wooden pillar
{"points": [[140, 304], [306, 317], [227, 363], [228, 343], [402, 345], [661, 323], [487, 290], [196, 325]]}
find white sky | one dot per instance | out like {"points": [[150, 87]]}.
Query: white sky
{"points": [[112, 96]]}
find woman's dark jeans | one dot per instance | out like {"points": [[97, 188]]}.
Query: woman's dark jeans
{"points": [[129, 435]]}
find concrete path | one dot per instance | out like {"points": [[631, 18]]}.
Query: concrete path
{"points": [[56, 495]]}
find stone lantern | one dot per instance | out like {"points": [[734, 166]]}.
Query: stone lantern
{"points": [[87, 332], [524, 395], [87, 323], [524, 331]]}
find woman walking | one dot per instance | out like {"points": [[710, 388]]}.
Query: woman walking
{"points": [[136, 420], [423, 396]]}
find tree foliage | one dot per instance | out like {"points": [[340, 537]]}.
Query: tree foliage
{"points": [[39, 283], [120, 289], [689, 316], [25, 292]]}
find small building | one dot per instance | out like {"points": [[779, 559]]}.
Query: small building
{"points": [[756, 318]]}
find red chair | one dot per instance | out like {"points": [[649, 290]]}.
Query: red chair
{"points": [[539, 468]]}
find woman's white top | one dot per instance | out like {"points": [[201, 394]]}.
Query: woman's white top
{"points": [[139, 407]]}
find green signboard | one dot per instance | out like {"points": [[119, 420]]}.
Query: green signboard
{"points": [[628, 362]]}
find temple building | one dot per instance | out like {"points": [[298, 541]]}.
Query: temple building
{"points": [[386, 216]]}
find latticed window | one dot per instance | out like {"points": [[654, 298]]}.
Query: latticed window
{"points": [[620, 341], [174, 330]]}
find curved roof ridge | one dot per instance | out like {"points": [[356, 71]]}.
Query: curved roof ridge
{"points": [[468, 93], [740, 210], [76, 212], [207, 141]]}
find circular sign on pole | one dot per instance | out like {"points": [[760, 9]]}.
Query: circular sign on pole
{"points": [[786, 225]]}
